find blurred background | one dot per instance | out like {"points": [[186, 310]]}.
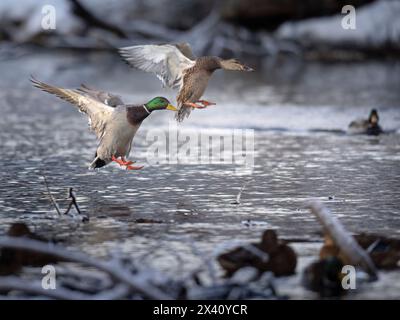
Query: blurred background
{"points": [[313, 77], [301, 50], [253, 27]]}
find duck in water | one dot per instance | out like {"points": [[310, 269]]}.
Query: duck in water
{"points": [[368, 126]]}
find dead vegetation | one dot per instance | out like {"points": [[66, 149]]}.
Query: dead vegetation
{"points": [[250, 268]]}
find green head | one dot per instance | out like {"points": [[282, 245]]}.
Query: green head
{"points": [[159, 103]]}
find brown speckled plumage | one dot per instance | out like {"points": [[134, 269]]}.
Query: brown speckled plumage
{"points": [[176, 66], [195, 81]]}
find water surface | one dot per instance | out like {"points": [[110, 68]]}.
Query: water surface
{"points": [[299, 111]]}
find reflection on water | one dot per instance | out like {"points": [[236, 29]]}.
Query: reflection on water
{"points": [[301, 152]]}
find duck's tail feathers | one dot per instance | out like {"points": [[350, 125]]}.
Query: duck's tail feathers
{"points": [[183, 113], [97, 163]]}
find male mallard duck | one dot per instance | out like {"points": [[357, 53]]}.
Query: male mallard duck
{"points": [[176, 66], [367, 126], [114, 123]]}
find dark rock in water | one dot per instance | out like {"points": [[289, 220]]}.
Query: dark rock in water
{"points": [[325, 277], [271, 254], [12, 260], [144, 220]]}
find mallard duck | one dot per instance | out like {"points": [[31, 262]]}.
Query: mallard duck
{"points": [[12, 260], [368, 126], [384, 251], [177, 67], [114, 123], [279, 257], [325, 277]]}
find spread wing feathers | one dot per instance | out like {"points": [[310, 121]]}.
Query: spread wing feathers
{"points": [[101, 96], [166, 61], [98, 112], [186, 50]]}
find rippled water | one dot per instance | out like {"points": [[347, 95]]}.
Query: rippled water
{"points": [[300, 113]]}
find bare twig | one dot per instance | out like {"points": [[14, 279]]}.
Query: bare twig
{"points": [[74, 202], [52, 199], [73, 199], [239, 195]]}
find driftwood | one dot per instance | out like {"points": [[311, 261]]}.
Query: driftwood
{"points": [[348, 246], [112, 267], [119, 278]]}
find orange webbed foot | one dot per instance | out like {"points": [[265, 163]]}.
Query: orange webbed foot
{"points": [[129, 167], [126, 163], [194, 105], [120, 162], [207, 103]]}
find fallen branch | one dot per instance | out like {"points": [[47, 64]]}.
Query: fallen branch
{"points": [[346, 243], [110, 267], [14, 283]]}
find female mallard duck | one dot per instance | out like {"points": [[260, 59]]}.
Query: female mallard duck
{"points": [[367, 126], [114, 123], [271, 254], [176, 66]]}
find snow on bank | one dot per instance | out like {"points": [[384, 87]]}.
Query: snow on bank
{"points": [[22, 19], [377, 25]]}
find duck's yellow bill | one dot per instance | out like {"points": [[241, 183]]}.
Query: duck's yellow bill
{"points": [[171, 107]]}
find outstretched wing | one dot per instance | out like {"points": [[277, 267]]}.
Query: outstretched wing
{"points": [[101, 96], [186, 50], [167, 61], [98, 112]]}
